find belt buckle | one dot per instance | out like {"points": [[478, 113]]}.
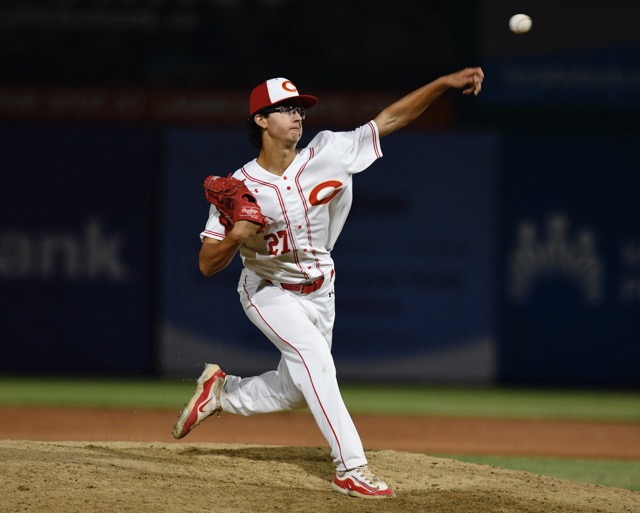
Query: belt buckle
{"points": [[305, 284]]}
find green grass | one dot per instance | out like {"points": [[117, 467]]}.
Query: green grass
{"points": [[616, 473], [610, 406], [99, 393], [613, 406]]}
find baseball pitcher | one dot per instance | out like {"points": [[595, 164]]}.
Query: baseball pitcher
{"points": [[283, 212]]}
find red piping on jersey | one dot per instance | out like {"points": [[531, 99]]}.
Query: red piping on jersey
{"points": [[376, 146], [324, 412], [305, 204], [216, 235], [292, 240]]}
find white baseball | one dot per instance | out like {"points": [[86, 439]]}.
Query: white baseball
{"points": [[520, 23]]}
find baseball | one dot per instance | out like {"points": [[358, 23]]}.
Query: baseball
{"points": [[520, 23]]}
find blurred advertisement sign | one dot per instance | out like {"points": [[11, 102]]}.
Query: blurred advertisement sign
{"points": [[75, 250], [577, 54], [571, 261]]}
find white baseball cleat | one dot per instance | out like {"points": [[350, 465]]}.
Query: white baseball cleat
{"points": [[205, 401], [361, 482]]}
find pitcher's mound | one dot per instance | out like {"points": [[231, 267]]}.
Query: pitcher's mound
{"points": [[123, 477]]}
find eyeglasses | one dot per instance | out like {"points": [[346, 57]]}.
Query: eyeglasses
{"points": [[289, 110]]}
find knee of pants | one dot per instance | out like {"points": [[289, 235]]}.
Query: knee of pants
{"points": [[318, 362]]}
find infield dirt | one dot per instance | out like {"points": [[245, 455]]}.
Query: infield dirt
{"points": [[126, 462]]}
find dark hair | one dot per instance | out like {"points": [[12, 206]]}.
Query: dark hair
{"points": [[255, 133]]}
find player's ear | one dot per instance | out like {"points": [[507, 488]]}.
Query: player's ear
{"points": [[260, 120]]}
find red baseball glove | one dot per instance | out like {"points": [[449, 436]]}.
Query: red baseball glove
{"points": [[233, 200]]}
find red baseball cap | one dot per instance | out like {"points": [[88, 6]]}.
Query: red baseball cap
{"points": [[276, 91]]}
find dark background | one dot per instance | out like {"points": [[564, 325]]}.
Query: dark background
{"points": [[91, 92]]}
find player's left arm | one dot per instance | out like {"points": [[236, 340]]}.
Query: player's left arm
{"points": [[402, 112], [215, 255]]}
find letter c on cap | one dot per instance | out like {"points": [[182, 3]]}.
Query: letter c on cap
{"points": [[287, 85], [321, 193]]}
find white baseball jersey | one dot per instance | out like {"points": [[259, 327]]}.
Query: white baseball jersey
{"points": [[307, 206]]}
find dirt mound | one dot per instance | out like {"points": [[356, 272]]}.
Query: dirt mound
{"points": [[123, 477]]}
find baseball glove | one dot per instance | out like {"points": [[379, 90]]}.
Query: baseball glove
{"points": [[233, 200]]}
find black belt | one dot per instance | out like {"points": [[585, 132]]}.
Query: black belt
{"points": [[302, 288]]}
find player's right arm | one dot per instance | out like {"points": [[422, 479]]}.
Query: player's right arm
{"points": [[402, 112], [216, 255]]}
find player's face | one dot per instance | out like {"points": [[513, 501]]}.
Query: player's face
{"points": [[286, 123]]}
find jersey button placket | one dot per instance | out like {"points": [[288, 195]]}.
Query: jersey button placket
{"points": [[294, 206]]}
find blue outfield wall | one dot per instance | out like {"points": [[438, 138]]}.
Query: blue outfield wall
{"points": [[570, 260], [75, 250], [462, 261]]}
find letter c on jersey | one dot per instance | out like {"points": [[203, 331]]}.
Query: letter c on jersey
{"points": [[324, 192]]}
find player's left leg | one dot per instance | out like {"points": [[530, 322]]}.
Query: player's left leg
{"points": [[300, 329]]}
